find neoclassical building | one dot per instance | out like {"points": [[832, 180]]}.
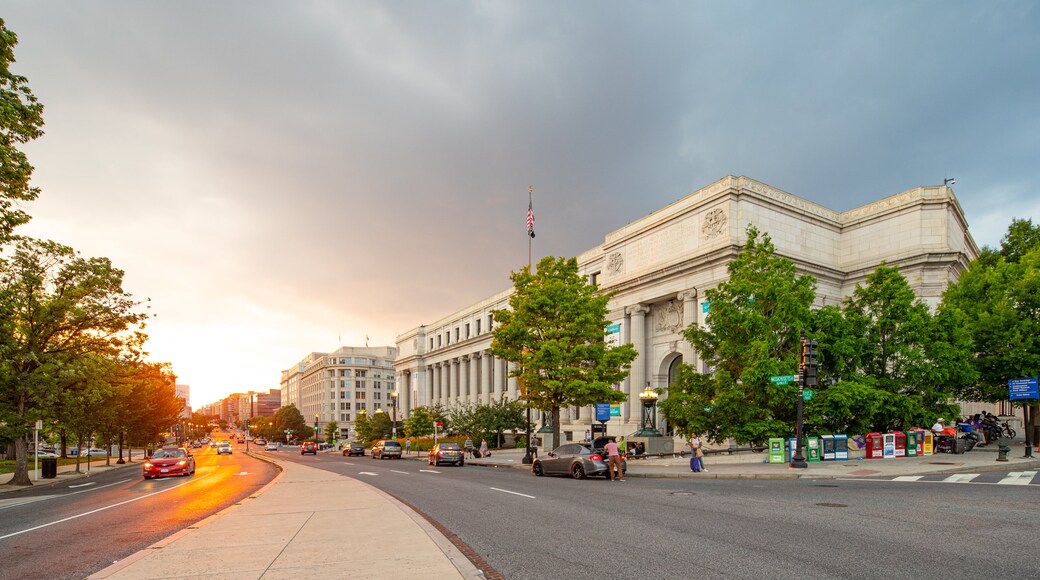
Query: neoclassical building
{"points": [[661, 264], [335, 386]]}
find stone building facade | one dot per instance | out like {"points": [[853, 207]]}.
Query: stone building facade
{"points": [[660, 266]]}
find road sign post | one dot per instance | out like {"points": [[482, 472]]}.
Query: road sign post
{"points": [[1025, 390]]}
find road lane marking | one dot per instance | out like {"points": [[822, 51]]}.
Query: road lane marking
{"points": [[908, 478], [366, 473], [242, 473], [514, 492], [395, 471], [101, 509], [429, 471], [15, 502], [4, 504], [1017, 478], [83, 485], [962, 477]]}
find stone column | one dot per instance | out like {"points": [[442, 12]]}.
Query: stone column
{"points": [[429, 385], [511, 381], [637, 378], [474, 378], [689, 316], [487, 387], [456, 380]]}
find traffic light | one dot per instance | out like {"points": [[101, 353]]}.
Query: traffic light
{"points": [[810, 356]]}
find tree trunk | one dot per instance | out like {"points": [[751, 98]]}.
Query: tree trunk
{"points": [[64, 443], [21, 468], [556, 425]]}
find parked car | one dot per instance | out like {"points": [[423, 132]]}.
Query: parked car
{"points": [[224, 447], [579, 460], [42, 453], [260, 442], [95, 452], [271, 447], [386, 448], [309, 447], [446, 453], [354, 449], [169, 461]]}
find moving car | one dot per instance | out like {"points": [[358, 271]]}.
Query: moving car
{"points": [[309, 447], [224, 447], [354, 449], [271, 447], [386, 448], [169, 461], [259, 442], [579, 460], [447, 453]]}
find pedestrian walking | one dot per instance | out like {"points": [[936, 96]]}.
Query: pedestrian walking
{"points": [[622, 446], [408, 446], [696, 454], [468, 451], [484, 448], [588, 436], [614, 459]]}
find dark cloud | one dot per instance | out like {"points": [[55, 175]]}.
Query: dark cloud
{"points": [[320, 168]]}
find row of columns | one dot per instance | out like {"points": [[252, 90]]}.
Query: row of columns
{"points": [[475, 378]]}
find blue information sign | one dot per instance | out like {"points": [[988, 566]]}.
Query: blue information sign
{"points": [[603, 411], [1019, 389]]}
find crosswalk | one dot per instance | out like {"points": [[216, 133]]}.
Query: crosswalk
{"points": [[987, 478]]}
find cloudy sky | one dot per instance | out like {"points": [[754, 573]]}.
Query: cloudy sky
{"points": [[286, 177]]}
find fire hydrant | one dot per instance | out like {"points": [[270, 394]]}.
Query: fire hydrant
{"points": [[1002, 449]]}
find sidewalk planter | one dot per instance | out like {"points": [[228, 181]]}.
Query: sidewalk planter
{"points": [[841, 447], [875, 446], [828, 447], [812, 445], [776, 450], [900, 443]]}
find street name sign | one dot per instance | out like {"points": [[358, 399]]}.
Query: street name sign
{"points": [[781, 379]]}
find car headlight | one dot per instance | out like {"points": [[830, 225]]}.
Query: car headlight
{"points": [[182, 462], [147, 465]]}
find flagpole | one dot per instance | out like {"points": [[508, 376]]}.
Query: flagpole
{"points": [[527, 460]]}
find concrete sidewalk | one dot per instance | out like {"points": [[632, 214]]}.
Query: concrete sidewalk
{"points": [[306, 523], [747, 465]]}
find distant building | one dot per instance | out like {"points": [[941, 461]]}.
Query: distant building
{"points": [[660, 266], [266, 404], [336, 386], [183, 393]]}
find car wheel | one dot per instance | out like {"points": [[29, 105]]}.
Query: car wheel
{"points": [[577, 471], [462, 463], [537, 469], [146, 478]]}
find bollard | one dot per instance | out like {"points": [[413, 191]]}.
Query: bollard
{"points": [[1002, 449]]}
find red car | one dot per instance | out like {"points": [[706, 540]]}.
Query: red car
{"points": [[169, 461], [309, 447]]}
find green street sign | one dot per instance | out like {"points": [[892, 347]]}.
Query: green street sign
{"points": [[807, 395], [781, 379]]}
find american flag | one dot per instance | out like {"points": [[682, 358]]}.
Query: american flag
{"points": [[530, 215]]}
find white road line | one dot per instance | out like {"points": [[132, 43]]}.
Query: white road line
{"points": [[513, 492], [908, 478], [83, 485], [962, 477], [366, 473], [15, 502], [428, 471], [395, 471], [1017, 478], [101, 509]]}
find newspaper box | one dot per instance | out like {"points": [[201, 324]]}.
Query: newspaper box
{"points": [[841, 447], [929, 443], [875, 446], [828, 447], [900, 443]]}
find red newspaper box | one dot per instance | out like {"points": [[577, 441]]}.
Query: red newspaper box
{"points": [[900, 443], [875, 446]]}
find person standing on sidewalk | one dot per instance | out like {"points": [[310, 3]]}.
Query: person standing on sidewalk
{"points": [[408, 446], [696, 454], [613, 458], [467, 452], [484, 448], [622, 446]]}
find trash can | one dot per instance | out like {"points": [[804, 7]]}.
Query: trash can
{"points": [[49, 467]]}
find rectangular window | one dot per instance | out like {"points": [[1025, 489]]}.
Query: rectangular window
{"points": [[467, 330], [456, 335], [478, 326], [359, 373], [378, 384], [491, 321], [380, 396], [360, 406], [594, 278], [360, 395], [431, 343], [361, 384]]}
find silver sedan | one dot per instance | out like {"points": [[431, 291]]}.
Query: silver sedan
{"points": [[577, 460]]}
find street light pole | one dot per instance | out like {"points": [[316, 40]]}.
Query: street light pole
{"points": [[393, 399], [797, 459]]}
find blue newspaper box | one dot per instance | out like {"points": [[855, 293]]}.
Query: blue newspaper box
{"points": [[841, 447]]}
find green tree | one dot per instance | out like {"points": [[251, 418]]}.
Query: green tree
{"points": [[55, 306], [331, 432], [419, 422], [752, 333], [363, 428], [493, 420], [999, 298], [21, 121], [289, 418], [554, 333]]}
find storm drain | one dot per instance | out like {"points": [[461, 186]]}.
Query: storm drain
{"points": [[832, 505]]}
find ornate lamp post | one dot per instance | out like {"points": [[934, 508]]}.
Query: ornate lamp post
{"points": [[648, 426], [393, 401]]}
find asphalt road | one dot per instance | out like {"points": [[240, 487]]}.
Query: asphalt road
{"points": [[528, 527], [80, 526]]}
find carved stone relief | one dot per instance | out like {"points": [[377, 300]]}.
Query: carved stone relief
{"points": [[668, 317], [715, 221], [616, 263]]}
